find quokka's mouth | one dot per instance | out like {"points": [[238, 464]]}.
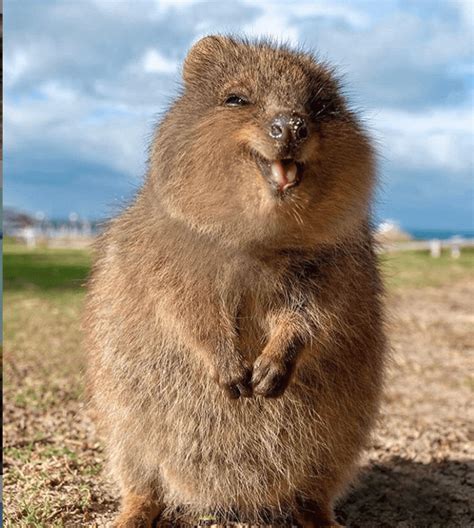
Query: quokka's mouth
{"points": [[282, 174]]}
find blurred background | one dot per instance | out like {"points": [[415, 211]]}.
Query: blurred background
{"points": [[86, 82]]}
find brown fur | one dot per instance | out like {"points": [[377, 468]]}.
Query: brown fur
{"points": [[211, 285]]}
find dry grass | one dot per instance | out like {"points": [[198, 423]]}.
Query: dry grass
{"points": [[415, 474]]}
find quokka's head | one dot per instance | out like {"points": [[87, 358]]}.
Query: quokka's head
{"points": [[261, 148]]}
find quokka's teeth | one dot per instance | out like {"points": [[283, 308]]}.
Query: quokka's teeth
{"points": [[291, 171], [278, 173], [283, 174]]}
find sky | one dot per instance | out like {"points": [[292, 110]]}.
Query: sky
{"points": [[86, 82]]}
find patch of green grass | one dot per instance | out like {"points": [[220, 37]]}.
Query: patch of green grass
{"points": [[19, 453], [44, 269], [64, 271], [92, 470], [418, 269], [27, 398], [59, 451], [85, 497], [34, 516]]}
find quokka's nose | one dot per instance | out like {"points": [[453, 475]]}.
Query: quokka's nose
{"points": [[288, 128]]}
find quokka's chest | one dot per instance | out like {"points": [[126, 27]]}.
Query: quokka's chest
{"points": [[261, 298]]}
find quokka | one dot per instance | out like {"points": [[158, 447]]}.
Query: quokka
{"points": [[235, 310]]}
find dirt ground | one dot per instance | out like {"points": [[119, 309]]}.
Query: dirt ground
{"points": [[418, 471]]}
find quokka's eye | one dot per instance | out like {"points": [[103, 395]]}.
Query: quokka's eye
{"points": [[236, 100]]}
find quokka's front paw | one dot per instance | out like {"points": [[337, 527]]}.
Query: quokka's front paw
{"points": [[271, 376], [233, 374]]}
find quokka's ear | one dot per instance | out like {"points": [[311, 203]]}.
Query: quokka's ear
{"points": [[204, 54]]}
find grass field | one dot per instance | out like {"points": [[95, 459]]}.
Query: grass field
{"points": [[416, 472]]}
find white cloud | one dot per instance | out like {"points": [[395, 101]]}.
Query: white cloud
{"points": [[273, 23], [58, 92], [155, 62], [165, 5], [280, 19], [466, 8], [438, 138], [110, 134], [330, 9], [15, 66]]}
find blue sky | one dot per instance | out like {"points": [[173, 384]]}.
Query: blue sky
{"points": [[86, 80]]}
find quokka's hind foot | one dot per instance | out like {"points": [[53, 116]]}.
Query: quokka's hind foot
{"points": [[138, 512]]}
